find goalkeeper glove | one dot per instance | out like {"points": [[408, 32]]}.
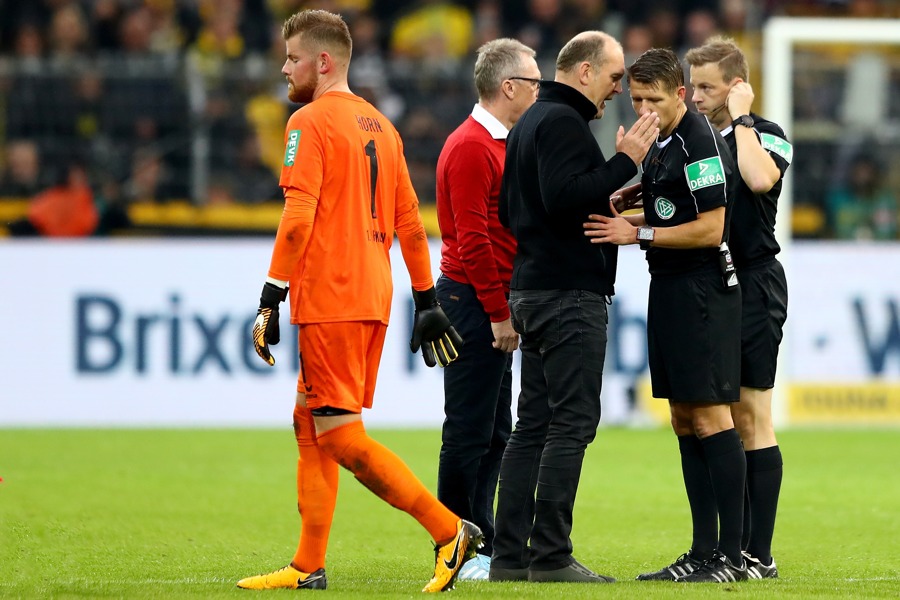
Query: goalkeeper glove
{"points": [[265, 328], [432, 331]]}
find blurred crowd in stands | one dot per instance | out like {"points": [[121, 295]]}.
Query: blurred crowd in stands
{"points": [[107, 103]]}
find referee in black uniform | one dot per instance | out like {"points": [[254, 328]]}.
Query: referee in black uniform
{"points": [[693, 314], [554, 176], [719, 75]]}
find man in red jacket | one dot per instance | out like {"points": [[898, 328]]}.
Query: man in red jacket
{"points": [[476, 266]]}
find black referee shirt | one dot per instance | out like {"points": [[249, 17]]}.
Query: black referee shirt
{"points": [[690, 172], [752, 238], [554, 177]]}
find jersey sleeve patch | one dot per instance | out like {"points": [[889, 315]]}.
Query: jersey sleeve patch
{"points": [[290, 150], [705, 173], [775, 144]]}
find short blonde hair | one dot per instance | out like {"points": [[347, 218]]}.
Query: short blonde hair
{"points": [[724, 52], [320, 28]]}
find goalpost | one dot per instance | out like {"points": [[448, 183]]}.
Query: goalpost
{"points": [[780, 34]]}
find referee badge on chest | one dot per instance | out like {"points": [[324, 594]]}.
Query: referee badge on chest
{"points": [[665, 208]]}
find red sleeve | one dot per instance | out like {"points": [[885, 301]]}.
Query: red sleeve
{"points": [[470, 175]]}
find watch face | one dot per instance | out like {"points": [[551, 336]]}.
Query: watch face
{"points": [[645, 233], [745, 120]]}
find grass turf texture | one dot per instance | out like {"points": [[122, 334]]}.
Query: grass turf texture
{"points": [[186, 513]]}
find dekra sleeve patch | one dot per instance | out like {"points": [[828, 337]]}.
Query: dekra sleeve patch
{"points": [[290, 149], [779, 146], [705, 173]]}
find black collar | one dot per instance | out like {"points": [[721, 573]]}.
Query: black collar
{"points": [[554, 91]]}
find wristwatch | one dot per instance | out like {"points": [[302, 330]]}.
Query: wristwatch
{"points": [[645, 235], [745, 120]]}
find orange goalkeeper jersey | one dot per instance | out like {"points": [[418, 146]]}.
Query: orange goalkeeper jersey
{"points": [[347, 191]]}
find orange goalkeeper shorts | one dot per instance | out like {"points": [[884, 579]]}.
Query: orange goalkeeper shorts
{"points": [[339, 363]]}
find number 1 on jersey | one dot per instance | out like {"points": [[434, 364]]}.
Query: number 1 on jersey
{"points": [[373, 168]]}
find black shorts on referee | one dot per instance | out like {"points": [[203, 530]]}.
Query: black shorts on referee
{"points": [[694, 337], [764, 310]]}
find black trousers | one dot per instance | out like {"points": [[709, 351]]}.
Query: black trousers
{"points": [[477, 413], [563, 350]]}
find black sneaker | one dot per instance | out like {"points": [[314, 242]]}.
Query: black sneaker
{"points": [[717, 569], [511, 574], [575, 572], [684, 565], [757, 570]]}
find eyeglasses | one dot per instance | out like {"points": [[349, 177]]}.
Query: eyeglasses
{"points": [[535, 82]]}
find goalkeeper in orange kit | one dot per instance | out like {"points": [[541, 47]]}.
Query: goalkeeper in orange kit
{"points": [[347, 192]]}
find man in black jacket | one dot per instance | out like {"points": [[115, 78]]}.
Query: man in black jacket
{"points": [[555, 175]]}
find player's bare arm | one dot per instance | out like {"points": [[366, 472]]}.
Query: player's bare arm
{"points": [[704, 232], [757, 168]]}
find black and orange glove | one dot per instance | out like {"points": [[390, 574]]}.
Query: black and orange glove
{"points": [[433, 331], [265, 328]]}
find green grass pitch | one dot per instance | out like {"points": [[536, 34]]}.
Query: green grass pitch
{"points": [[185, 513]]}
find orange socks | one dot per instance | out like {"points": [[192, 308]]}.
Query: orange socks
{"points": [[317, 485], [388, 477]]}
